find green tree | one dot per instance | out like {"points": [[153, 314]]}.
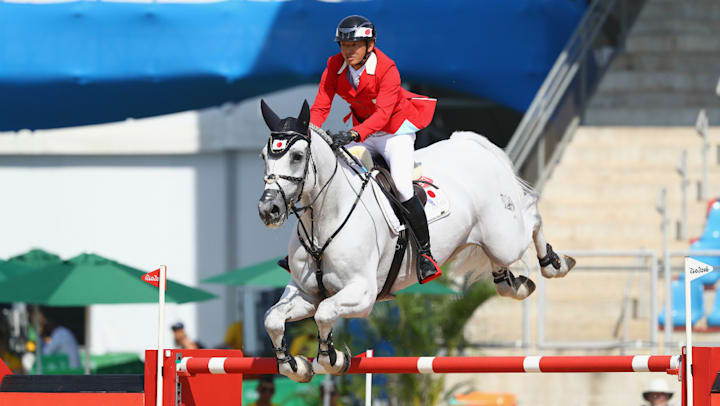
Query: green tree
{"points": [[418, 325]]}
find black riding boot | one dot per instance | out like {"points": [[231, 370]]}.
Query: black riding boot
{"points": [[427, 268]]}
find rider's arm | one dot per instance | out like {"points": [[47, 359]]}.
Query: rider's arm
{"points": [[388, 93], [323, 101]]}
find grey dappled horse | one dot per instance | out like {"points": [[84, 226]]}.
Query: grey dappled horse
{"points": [[494, 214]]}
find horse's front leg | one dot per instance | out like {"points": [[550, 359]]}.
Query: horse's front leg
{"points": [[356, 299], [293, 305]]}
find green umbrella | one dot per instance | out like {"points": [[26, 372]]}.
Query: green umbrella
{"points": [[266, 274], [11, 269], [428, 289], [27, 262], [91, 279], [36, 258], [269, 274]]}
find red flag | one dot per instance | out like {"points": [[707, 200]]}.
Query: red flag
{"points": [[153, 278]]}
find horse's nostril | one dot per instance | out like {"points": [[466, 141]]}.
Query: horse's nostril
{"points": [[275, 210]]}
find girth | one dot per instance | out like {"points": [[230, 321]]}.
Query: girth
{"points": [[388, 186]]}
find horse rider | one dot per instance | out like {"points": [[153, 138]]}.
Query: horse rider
{"points": [[385, 118]]}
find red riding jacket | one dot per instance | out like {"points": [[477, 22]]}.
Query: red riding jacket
{"points": [[378, 104]]}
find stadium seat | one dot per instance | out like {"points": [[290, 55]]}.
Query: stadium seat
{"points": [[710, 240], [678, 303], [713, 319]]}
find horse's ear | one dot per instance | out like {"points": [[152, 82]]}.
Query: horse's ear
{"points": [[304, 117], [271, 119]]}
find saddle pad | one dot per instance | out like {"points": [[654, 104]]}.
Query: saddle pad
{"points": [[437, 206]]}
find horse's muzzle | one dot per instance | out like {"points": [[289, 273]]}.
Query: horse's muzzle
{"points": [[271, 208]]}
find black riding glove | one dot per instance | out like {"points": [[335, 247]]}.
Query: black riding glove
{"points": [[342, 138]]}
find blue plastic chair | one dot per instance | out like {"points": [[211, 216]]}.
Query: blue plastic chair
{"points": [[713, 319], [678, 304], [710, 240]]}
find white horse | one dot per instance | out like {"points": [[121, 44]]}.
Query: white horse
{"points": [[342, 230]]}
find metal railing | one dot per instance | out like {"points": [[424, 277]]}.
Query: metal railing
{"points": [[648, 261], [561, 101]]}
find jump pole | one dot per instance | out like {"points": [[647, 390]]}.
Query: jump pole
{"points": [[444, 365], [214, 377]]}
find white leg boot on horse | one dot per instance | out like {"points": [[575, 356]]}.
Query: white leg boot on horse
{"points": [[292, 306], [508, 285], [354, 300], [552, 265], [426, 267]]}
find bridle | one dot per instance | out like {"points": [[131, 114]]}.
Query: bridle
{"points": [[316, 251], [288, 138]]}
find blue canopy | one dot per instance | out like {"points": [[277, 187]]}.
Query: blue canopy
{"points": [[82, 63]]}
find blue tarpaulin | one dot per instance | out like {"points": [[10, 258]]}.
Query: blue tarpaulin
{"points": [[68, 64]]}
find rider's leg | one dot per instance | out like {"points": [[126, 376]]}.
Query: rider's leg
{"points": [[398, 150], [426, 267]]}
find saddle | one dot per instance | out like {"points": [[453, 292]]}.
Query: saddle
{"points": [[374, 162], [377, 165]]}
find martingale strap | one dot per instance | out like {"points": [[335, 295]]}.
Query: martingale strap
{"points": [[317, 252]]}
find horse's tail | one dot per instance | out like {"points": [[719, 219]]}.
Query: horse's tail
{"points": [[469, 265]]}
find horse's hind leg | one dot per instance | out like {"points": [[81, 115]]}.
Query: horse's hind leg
{"points": [[292, 306], [552, 265], [508, 285], [356, 299]]}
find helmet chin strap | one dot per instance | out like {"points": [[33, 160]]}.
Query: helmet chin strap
{"points": [[367, 53]]}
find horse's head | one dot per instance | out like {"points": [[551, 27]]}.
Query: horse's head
{"points": [[287, 157]]}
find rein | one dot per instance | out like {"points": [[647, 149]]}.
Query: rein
{"points": [[316, 251]]}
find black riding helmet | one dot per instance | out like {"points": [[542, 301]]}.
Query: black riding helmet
{"points": [[355, 28]]}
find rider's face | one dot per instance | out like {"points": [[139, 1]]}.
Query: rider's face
{"points": [[354, 52]]}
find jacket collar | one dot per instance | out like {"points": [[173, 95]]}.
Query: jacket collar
{"points": [[370, 65]]}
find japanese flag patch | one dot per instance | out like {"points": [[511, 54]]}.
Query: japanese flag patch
{"points": [[278, 145]]}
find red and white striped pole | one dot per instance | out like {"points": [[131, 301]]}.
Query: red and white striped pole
{"points": [[442, 365]]}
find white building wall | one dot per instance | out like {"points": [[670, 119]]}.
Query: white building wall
{"points": [[179, 190], [141, 211]]}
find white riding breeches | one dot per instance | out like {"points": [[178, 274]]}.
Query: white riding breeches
{"points": [[398, 150]]}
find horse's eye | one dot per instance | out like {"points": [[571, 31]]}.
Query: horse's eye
{"points": [[296, 157]]}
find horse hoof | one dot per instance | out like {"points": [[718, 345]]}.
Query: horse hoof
{"points": [[570, 261], [342, 363], [516, 287], [304, 371], [524, 287]]}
